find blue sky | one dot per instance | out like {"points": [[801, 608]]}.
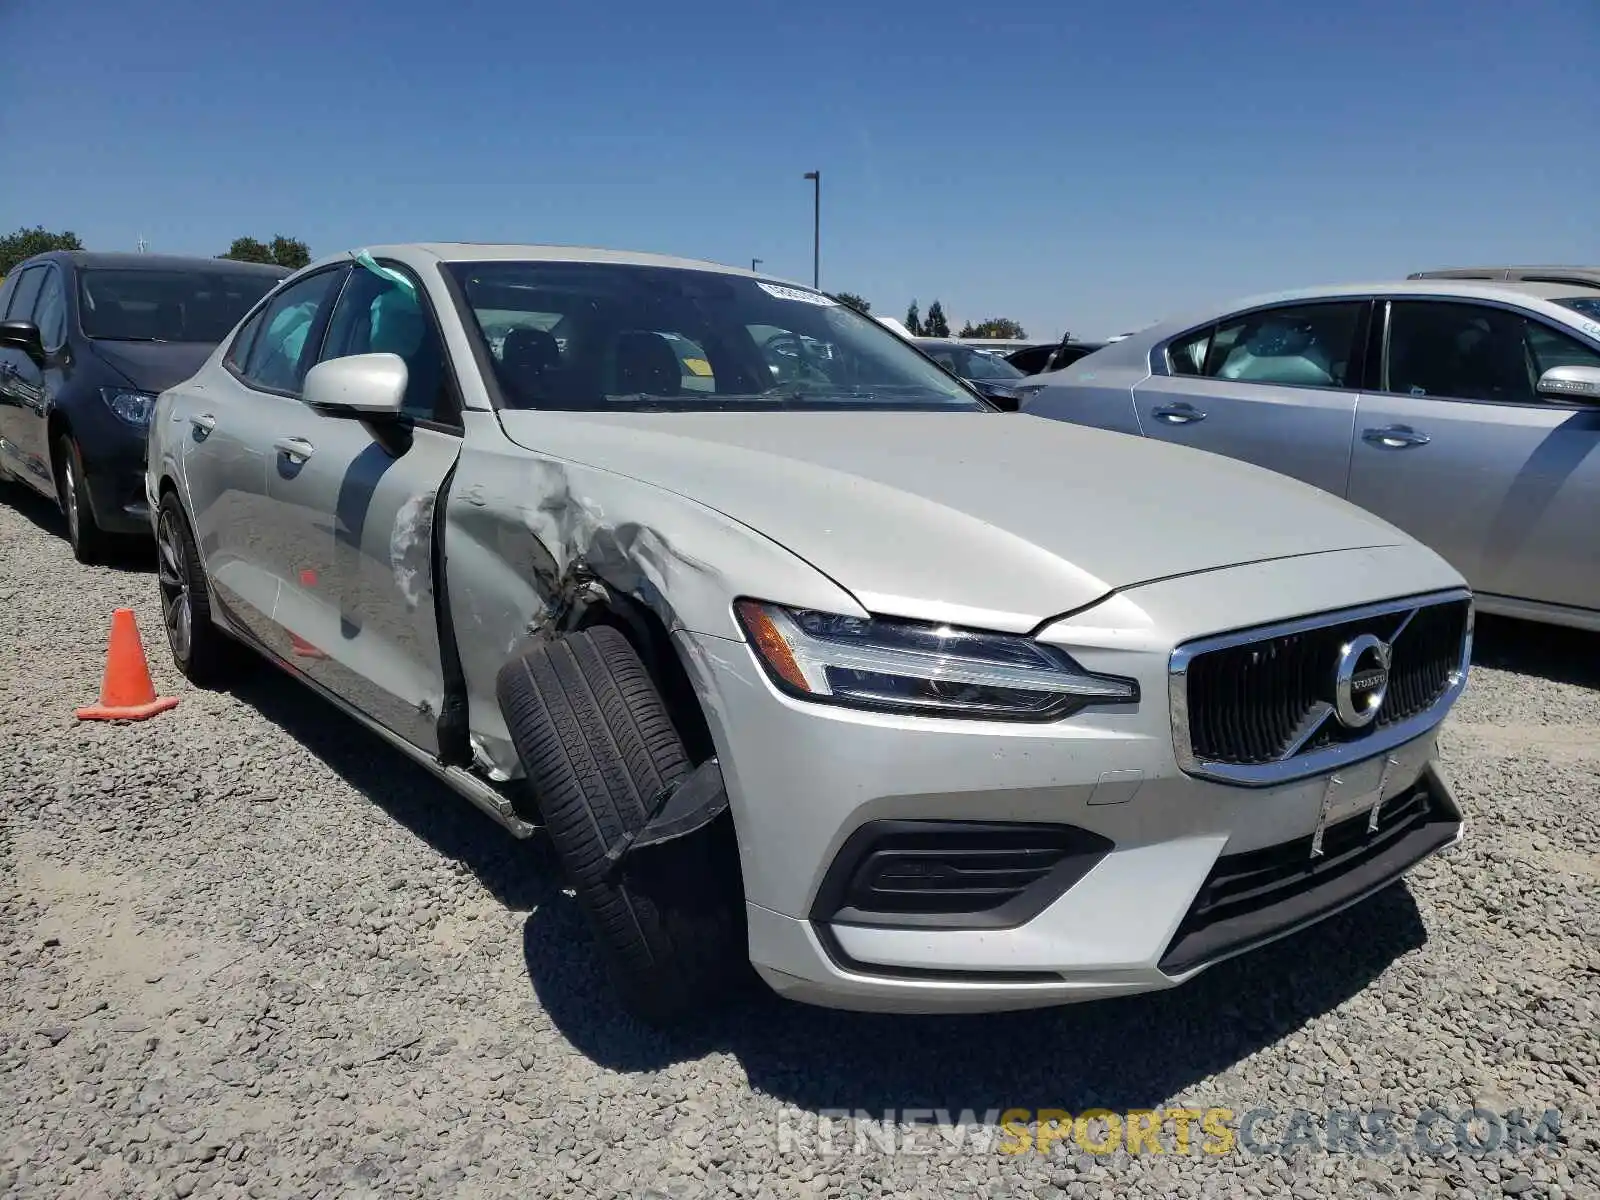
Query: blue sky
{"points": [[1091, 165]]}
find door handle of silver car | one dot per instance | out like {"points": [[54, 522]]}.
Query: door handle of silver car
{"points": [[294, 449], [1178, 414], [1394, 437], [203, 423]]}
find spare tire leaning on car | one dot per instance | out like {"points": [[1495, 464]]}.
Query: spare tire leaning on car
{"points": [[599, 748]]}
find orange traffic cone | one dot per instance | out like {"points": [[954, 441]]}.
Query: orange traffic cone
{"points": [[126, 693]]}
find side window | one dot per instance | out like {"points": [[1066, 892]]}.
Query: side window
{"points": [[376, 315], [1310, 345], [1188, 357], [239, 349], [27, 291], [279, 357], [1458, 351], [50, 313]]}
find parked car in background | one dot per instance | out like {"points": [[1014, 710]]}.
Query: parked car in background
{"points": [[780, 662], [86, 342], [1466, 413], [989, 374], [1051, 356], [1585, 277]]}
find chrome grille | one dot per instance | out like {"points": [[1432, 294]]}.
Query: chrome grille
{"points": [[1262, 705]]}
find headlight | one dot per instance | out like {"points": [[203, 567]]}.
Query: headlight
{"points": [[132, 406], [912, 667]]}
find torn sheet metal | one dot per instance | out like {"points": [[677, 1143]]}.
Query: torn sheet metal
{"points": [[530, 538], [411, 548]]}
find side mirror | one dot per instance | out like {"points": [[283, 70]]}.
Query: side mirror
{"points": [[369, 385], [1571, 383], [24, 336]]}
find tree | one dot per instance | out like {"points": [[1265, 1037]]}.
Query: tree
{"points": [[854, 301], [994, 327], [290, 252], [25, 243], [284, 251], [248, 249], [914, 320], [936, 325]]}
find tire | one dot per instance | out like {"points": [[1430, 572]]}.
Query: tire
{"points": [[598, 746], [201, 651], [89, 541]]}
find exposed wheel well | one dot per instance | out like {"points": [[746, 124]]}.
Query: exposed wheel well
{"points": [[649, 637]]}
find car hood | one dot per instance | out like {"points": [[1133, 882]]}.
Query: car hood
{"points": [[997, 519], [152, 366]]}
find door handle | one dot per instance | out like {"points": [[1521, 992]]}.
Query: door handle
{"points": [[1178, 414], [294, 449], [1394, 437], [203, 423]]}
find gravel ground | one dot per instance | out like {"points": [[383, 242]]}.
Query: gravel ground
{"points": [[249, 950]]}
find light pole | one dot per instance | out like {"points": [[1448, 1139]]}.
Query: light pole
{"points": [[756, 262], [816, 229]]}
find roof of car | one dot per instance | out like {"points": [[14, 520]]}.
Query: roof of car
{"points": [[1581, 276], [126, 261], [498, 252], [1509, 292]]}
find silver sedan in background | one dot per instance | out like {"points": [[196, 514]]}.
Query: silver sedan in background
{"points": [[1467, 414]]}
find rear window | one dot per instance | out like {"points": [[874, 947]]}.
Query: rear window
{"points": [[167, 305], [615, 336]]}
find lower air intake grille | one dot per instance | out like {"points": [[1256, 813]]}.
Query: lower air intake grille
{"points": [[954, 874], [1248, 898]]}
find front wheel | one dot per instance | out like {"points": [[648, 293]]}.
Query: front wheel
{"points": [[598, 747], [89, 541], [201, 651]]}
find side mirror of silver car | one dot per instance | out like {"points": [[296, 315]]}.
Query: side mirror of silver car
{"points": [[372, 385], [1571, 383]]}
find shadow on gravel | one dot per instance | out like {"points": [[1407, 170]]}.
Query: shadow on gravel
{"points": [[127, 554], [1528, 648], [1115, 1054], [520, 874]]}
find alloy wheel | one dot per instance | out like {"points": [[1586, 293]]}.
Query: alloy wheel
{"points": [[70, 487], [173, 574]]}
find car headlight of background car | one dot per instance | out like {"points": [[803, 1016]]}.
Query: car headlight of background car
{"points": [[132, 405], [914, 667]]}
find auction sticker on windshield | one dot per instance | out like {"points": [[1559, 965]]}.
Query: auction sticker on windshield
{"points": [[800, 294]]}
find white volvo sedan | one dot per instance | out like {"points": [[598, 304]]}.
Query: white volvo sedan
{"points": [[801, 654]]}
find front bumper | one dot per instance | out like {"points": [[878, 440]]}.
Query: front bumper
{"points": [[1112, 934], [1162, 903], [114, 468]]}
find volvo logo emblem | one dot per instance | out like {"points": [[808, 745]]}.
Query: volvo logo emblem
{"points": [[1360, 680]]}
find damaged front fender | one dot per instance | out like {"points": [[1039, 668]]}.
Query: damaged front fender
{"points": [[529, 535]]}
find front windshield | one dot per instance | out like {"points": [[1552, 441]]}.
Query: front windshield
{"points": [[167, 305], [1589, 306], [615, 336], [983, 365], [967, 363]]}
